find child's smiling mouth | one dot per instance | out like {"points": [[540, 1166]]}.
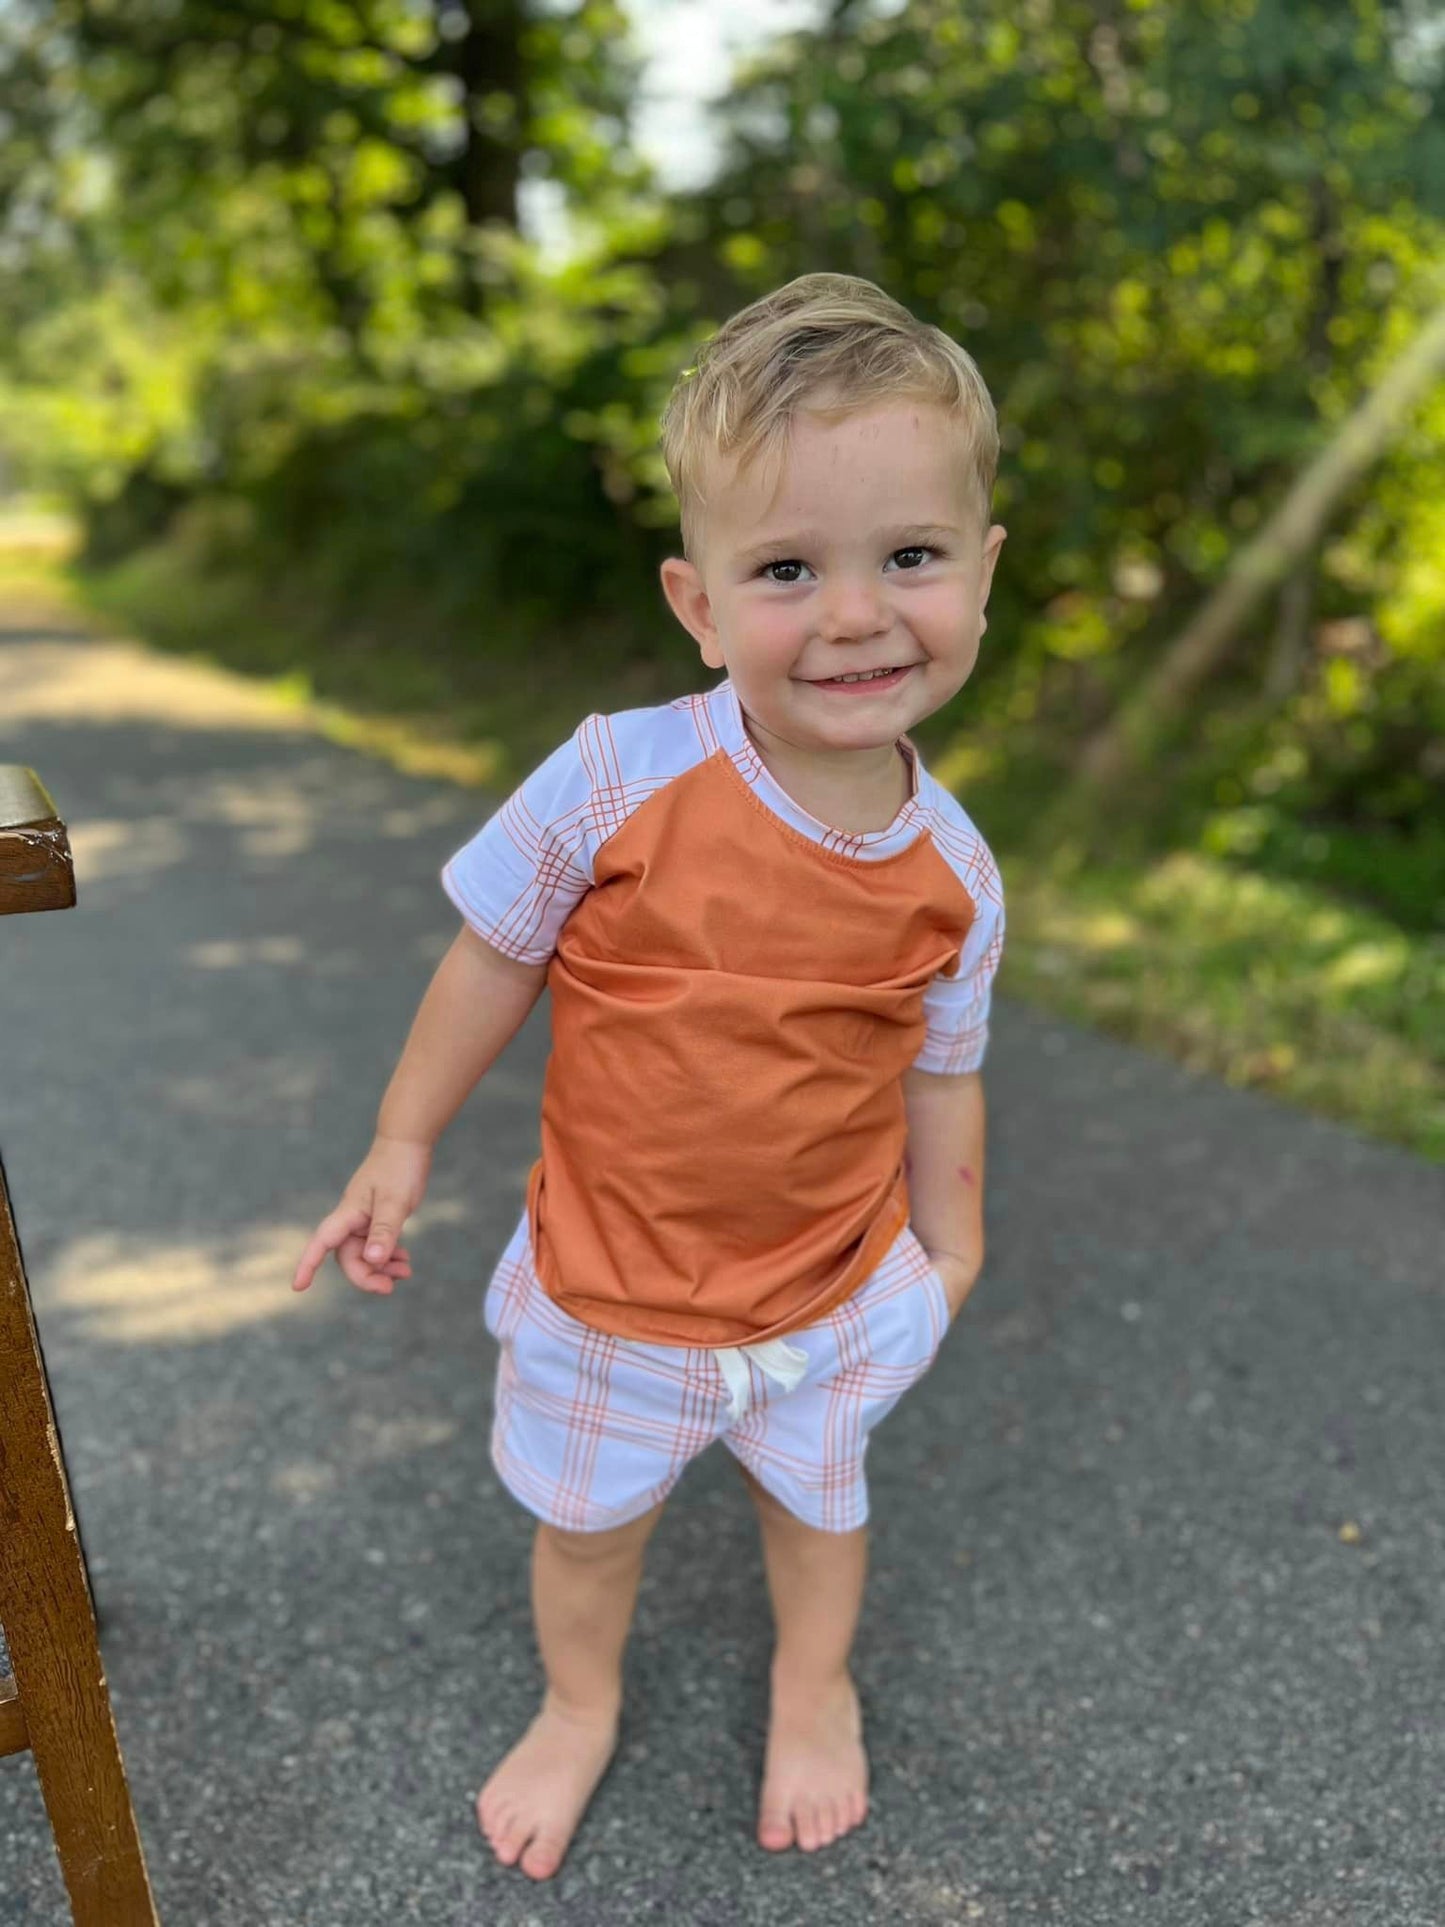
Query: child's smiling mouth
{"points": [[866, 679]]}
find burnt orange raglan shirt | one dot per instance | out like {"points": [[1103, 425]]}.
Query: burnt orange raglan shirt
{"points": [[736, 991]]}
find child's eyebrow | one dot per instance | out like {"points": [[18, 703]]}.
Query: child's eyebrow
{"points": [[895, 538]]}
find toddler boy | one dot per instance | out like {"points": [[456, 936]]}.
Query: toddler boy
{"points": [[770, 938]]}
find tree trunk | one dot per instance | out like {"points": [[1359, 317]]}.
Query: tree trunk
{"points": [[489, 62], [1289, 651], [1295, 528]]}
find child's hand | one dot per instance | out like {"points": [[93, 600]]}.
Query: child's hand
{"points": [[365, 1227]]}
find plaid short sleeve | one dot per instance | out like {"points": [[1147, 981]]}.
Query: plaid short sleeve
{"points": [[524, 872], [957, 1007]]}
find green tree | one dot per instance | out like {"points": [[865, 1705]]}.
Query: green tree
{"points": [[1181, 240]]}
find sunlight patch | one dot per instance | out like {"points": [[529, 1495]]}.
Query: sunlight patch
{"points": [[235, 953], [110, 682], [125, 1292], [106, 847]]}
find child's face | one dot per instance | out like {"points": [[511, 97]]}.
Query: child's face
{"points": [[867, 556]]}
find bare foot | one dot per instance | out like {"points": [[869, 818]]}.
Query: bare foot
{"points": [[815, 1776], [530, 1807]]}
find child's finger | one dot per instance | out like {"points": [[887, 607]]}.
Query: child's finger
{"points": [[386, 1219], [361, 1272], [326, 1238], [399, 1257]]}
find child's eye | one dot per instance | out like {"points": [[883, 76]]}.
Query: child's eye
{"points": [[790, 562]]}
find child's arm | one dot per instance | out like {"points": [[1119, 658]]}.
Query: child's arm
{"points": [[945, 1173], [474, 1005]]}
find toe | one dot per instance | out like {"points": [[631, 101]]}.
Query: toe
{"points": [[810, 1834], [775, 1828], [509, 1837], [543, 1857]]}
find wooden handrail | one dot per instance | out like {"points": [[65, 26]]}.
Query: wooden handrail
{"points": [[55, 1703], [36, 869]]}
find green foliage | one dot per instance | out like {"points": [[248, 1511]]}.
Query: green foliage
{"points": [[1180, 241], [261, 265]]}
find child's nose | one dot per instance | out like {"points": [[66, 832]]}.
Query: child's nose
{"points": [[852, 609]]}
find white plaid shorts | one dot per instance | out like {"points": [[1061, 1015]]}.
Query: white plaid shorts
{"points": [[590, 1430]]}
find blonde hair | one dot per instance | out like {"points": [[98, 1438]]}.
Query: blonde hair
{"points": [[831, 343]]}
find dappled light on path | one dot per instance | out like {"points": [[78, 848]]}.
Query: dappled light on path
{"points": [[98, 681], [236, 953], [142, 1291], [107, 847]]}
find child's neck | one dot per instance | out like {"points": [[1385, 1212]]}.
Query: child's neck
{"points": [[856, 791]]}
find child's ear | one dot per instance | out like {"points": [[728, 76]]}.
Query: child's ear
{"points": [[992, 543], [688, 599]]}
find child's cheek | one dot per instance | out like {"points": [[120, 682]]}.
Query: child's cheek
{"points": [[934, 608], [773, 633]]}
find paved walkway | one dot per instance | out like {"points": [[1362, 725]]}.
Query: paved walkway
{"points": [[1154, 1626]]}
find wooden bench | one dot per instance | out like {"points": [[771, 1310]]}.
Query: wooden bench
{"points": [[55, 1701]]}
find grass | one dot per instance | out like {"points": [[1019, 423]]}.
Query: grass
{"points": [[1268, 983]]}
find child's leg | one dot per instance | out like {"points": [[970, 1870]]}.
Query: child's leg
{"points": [[815, 1776], [584, 1587]]}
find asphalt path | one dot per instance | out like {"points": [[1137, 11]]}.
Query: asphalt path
{"points": [[1153, 1629]]}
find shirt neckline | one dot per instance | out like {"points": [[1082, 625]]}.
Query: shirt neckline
{"points": [[911, 817]]}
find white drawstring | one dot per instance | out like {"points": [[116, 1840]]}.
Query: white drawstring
{"points": [[781, 1361]]}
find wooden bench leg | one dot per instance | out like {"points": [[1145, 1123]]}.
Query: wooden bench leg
{"points": [[45, 1608]]}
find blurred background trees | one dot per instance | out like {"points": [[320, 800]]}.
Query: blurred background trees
{"points": [[270, 321]]}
